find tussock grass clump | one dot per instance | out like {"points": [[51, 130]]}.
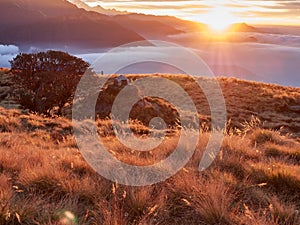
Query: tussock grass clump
{"points": [[214, 204], [279, 178], [261, 136], [287, 152], [283, 213], [273, 152]]}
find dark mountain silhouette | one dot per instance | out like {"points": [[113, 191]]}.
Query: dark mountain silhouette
{"points": [[242, 27], [61, 24], [20, 12], [58, 23]]}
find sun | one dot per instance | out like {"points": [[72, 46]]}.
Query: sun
{"points": [[219, 19]]}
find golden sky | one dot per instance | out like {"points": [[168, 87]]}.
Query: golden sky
{"points": [[283, 12]]}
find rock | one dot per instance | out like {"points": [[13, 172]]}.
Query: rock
{"points": [[144, 109], [121, 81], [151, 107]]}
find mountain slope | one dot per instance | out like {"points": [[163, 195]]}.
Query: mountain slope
{"points": [[242, 27], [276, 106], [255, 178], [58, 23], [61, 24], [168, 21], [157, 29], [180, 24]]}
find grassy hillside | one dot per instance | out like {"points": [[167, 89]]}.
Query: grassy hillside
{"points": [[276, 106], [255, 179]]}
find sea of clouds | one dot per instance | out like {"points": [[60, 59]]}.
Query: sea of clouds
{"points": [[274, 58], [7, 52]]}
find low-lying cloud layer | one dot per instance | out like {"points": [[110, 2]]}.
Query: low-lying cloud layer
{"points": [[273, 59], [7, 52], [277, 39]]}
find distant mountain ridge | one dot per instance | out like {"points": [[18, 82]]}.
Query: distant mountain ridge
{"points": [[60, 24], [242, 27], [98, 8], [57, 23]]}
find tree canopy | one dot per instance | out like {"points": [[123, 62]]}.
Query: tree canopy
{"points": [[47, 79]]}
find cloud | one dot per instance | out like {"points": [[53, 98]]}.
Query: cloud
{"points": [[134, 54], [263, 62], [276, 39], [255, 11], [273, 59], [7, 52]]}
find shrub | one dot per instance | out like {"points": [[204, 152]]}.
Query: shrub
{"points": [[47, 80]]}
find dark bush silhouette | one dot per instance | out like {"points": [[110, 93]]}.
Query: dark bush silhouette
{"points": [[47, 80]]}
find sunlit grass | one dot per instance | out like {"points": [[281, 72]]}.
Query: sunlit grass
{"points": [[254, 179], [44, 181]]}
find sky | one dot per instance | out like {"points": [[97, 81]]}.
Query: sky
{"points": [[281, 12]]}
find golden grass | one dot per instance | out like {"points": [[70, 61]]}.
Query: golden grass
{"points": [[270, 103], [254, 180], [45, 180]]}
